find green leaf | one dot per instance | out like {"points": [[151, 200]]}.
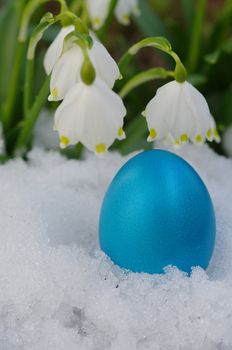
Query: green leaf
{"points": [[195, 43], [189, 12], [227, 47], [213, 57], [9, 26], [136, 135], [221, 25], [148, 22], [197, 79]]}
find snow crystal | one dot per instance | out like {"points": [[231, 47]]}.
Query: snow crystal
{"points": [[59, 291], [44, 134]]}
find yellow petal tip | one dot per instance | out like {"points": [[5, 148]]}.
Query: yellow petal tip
{"points": [[199, 139], [184, 138], [209, 135], [64, 141], [176, 144], [216, 135], [54, 95], [100, 149], [144, 114], [121, 134], [152, 135], [97, 22], [125, 18]]}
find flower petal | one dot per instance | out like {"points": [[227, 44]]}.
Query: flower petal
{"points": [[66, 121], [66, 73], [91, 114], [101, 127], [160, 111], [106, 67], [181, 110], [184, 119], [98, 10], [200, 113], [124, 9], [214, 132], [55, 49]]}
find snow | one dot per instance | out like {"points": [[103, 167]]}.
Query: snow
{"points": [[59, 291], [44, 135]]}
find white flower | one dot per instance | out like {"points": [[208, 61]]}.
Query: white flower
{"points": [[124, 9], [66, 71], [55, 49], [181, 112], [214, 135], [90, 114], [98, 11]]}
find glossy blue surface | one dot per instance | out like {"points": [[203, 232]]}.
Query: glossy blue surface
{"points": [[157, 212]]}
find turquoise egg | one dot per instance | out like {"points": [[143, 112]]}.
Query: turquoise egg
{"points": [[157, 212]]}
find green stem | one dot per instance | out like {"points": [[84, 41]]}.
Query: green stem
{"points": [[29, 10], [144, 77], [156, 42], [195, 41], [180, 73], [76, 6], [159, 43], [28, 88], [47, 21], [85, 15], [221, 27], [8, 106], [78, 23], [101, 33], [32, 116], [124, 60]]}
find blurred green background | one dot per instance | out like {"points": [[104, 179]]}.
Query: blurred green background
{"points": [[200, 32]]}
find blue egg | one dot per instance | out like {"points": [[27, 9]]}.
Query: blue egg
{"points": [[157, 212]]}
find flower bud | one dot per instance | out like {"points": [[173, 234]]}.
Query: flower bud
{"points": [[88, 73]]}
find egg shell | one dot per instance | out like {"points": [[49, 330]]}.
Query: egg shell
{"points": [[157, 212]]}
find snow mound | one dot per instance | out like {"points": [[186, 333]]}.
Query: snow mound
{"points": [[59, 291]]}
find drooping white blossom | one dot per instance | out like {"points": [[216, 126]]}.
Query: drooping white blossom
{"points": [[214, 135], [124, 9], [55, 49], [98, 10], [66, 71], [179, 111], [90, 114]]}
